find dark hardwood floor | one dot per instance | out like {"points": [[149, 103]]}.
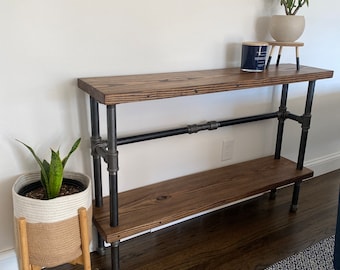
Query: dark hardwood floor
{"points": [[249, 235]]}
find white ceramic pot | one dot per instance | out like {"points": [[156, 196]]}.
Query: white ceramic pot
{"points": [[53, 230], [287, 28]]}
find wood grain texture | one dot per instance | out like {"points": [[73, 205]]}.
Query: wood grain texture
{"points": [[158, 204], [132, 88], [247, 236]]}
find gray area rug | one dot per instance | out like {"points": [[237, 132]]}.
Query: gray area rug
{"points": [[316, 257]]}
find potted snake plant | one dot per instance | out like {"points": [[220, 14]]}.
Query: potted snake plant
{"points": [[288, 27], [49, 201]]}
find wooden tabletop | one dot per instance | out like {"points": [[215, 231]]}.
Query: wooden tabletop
{"points": [[131, 88]]}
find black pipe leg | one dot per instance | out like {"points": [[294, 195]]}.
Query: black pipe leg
{"points": [[115, 256], [112, 163], [280, 127], [101, 247], [95, 139], [113, 200], [112, 167], [98, 181], [96, 161], [305, 125], [296, 192], [281, 120], [272, 194]]}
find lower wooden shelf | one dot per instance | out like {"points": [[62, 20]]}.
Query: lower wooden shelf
{"points": [[154, 205]]}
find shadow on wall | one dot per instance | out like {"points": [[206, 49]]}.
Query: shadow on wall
{"points": [[233, 55], [6, 213], [262, 29]]}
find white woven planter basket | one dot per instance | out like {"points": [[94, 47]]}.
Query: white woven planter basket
{"points": [[53, 225]]}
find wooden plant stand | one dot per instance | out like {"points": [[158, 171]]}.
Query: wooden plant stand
{"points": [[84, 259]]}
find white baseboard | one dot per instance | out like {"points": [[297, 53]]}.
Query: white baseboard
{"points": [[320, 166], [8, 260], [324, 164]]}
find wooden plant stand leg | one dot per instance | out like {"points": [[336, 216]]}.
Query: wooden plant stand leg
{"points": [[297, 57], [24, 263], [279, 56], [270, 56], [83, 259], [281, 45], [84, 235]]}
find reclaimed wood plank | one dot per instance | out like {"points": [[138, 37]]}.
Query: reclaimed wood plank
{"points": [[154, 205], [131, 88]]}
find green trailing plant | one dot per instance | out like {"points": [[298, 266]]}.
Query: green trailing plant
{"points": [[52, 173], [292, 6]]}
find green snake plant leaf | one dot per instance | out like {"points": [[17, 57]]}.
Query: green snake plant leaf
{"points": [[55, 175], [52, 173], [74, 147], [42, 167], [45, 180]]}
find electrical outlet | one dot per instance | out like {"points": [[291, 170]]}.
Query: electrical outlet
{"points": [[227, 150]]}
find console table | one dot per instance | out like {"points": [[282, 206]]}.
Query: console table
{"points": [[127, 213]]}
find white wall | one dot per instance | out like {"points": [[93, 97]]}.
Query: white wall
{"points": [[46, 45]]}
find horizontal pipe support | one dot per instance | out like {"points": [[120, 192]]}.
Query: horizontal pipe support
{"points": [[304, 120], [195, 128], [295, 117], [99, 146]]}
